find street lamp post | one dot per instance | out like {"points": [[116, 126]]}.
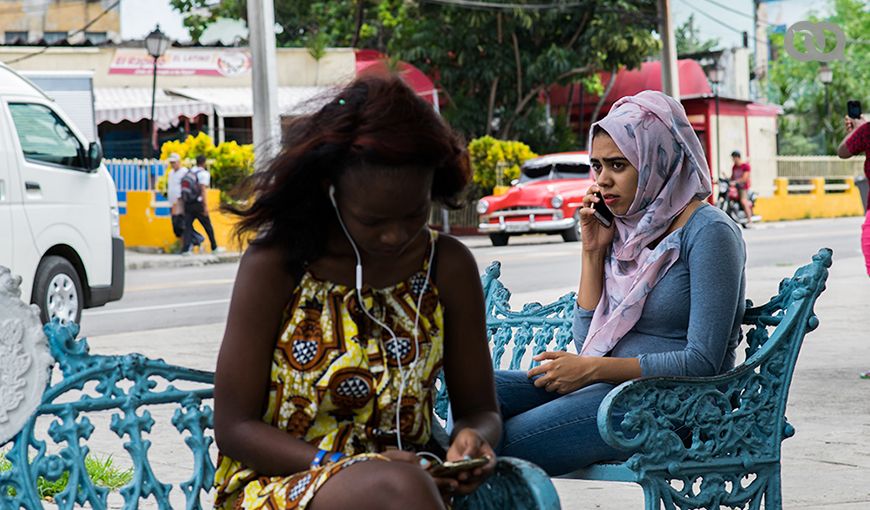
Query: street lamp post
{"points": [[155, 43], [715, 76], [826, 75]]}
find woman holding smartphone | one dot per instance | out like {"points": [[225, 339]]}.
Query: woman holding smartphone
{"points": [[661, 288]]}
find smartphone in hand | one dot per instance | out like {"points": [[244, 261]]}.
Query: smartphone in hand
{"points": [[601, 212], [853, 109], [451, 469]]}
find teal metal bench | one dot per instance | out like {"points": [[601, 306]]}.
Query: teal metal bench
{"points": [[691, 442], [52, 442]]}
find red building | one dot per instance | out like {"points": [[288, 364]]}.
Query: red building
{"points": [[742, 124]]}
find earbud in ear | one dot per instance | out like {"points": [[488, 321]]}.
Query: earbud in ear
{"points": [[332, 195]]}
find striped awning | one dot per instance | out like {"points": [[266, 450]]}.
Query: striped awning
{"points": [[238, 101], [134, 104]]}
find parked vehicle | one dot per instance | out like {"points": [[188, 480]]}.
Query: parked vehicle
{"points": [[544, 200], [72, 92], [59, 225], [729, 201]]}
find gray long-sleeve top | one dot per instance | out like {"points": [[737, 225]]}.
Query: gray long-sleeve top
{"points": [[690, 325]]}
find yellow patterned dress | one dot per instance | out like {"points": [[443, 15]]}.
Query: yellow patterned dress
{"points": [[335, 382]]}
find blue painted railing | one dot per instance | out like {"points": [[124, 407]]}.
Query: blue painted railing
{"points": [[135, 174]]}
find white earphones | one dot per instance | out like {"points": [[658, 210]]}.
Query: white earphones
{"points": [[403, 375]]}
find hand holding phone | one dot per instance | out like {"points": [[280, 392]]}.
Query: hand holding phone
{"points": [[601, 211], [853, 109], [451, 469]]}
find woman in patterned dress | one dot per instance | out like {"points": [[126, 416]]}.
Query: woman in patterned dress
{"points": [[307, 384]]}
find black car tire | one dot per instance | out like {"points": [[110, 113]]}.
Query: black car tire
{"points": [[572, 235], [499, 239], [53, 270]]}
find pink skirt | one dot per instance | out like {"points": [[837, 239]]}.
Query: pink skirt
{"points": [[865, 241]]}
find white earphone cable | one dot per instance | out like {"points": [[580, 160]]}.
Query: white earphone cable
{"points": [[411, 366]]}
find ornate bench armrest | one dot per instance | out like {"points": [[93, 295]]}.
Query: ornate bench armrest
{"points": [[516, 484], [670, 421]]}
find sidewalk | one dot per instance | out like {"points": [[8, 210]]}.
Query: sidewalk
{"points": [[137, 260], [824, 466]]}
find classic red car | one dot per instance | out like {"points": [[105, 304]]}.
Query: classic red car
{"points": [[544, 200]]}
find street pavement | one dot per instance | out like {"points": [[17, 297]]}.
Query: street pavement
{"points": [[178, 314]]}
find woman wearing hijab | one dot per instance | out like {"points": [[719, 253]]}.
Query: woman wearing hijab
{"points": [[661, 290]]}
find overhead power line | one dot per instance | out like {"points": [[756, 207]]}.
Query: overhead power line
{"points": [[72, 34]]}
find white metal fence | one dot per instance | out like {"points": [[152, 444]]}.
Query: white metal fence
{"points": [[819, 166]]}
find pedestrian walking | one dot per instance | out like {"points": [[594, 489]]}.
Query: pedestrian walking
{"points": [[194, 187], [173, 195], [857, 140]]}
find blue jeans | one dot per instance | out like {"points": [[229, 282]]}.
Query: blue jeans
{"points": [[557, 432]]}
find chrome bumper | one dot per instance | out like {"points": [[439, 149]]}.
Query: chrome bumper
{"points": [[521, 227]]}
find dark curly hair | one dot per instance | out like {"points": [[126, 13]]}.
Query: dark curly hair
{"points": [[374, 121]]}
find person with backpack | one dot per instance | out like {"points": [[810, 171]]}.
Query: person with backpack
{"points": [[173, 194], [194, 185]]}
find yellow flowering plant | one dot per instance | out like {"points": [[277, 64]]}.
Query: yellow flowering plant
{"points": [[488, 154]]}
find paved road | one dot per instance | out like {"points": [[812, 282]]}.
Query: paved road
{"points": [[538, 267]]}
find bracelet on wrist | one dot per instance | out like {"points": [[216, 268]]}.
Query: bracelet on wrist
{"points": [[324, 457], [318, 458]]}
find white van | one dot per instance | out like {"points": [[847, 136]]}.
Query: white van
{"points": [[59, 227]]}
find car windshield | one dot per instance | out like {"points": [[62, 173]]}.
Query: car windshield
{"points": [[538, 172]]}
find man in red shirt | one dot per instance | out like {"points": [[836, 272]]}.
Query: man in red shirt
{"points": [[740, 176], [857, 141]]}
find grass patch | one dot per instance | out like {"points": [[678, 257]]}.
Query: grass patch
{"points": [[101, 470]]}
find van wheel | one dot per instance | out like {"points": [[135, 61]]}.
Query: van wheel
{"points": [[572, 235], [499, 239], [58, 291]]}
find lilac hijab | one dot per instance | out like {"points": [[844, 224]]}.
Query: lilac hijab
{"points": [[652, 131]]}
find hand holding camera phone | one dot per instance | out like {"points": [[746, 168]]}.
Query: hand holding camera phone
{"points": [[853, 109], [451, 469]]}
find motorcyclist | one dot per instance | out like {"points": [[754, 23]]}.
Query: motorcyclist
{"points": [[740, 178]]}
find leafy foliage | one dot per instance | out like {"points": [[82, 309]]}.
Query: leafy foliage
{"points": [[491, 65], [102, 471], [809, 126], [228, 162], [488, 154], [688, 38]]}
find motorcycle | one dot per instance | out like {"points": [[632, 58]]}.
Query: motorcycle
{"points": [[729, 201]]}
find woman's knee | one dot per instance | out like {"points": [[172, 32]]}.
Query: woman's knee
{"points": [[380, 485], [403, 485]]}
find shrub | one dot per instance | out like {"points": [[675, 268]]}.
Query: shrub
{"points": [[228, 162], [487, 153]]}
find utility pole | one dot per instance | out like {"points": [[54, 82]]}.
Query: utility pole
{"points": [[266, 120], [761, 49], [670, 73]]}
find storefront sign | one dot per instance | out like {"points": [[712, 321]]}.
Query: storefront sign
{"points": [[207, 62]]}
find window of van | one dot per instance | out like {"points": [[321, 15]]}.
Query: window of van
{"points": [[44, 137]]}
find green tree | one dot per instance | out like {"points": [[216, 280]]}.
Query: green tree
{"points": [[811, 125], [689, 40], [493, 66]]}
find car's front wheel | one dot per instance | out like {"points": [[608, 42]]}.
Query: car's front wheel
{"points": [[572, 235], [58, 290], [499, 239]]}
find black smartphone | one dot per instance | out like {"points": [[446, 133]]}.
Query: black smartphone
{"points": [[853, 109], [601, 211]]}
